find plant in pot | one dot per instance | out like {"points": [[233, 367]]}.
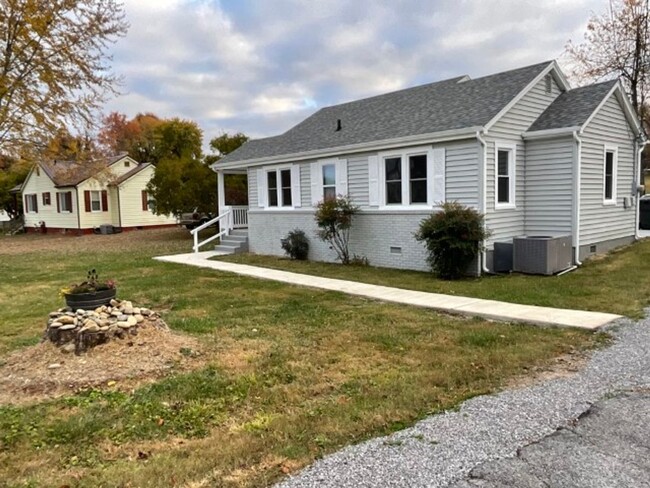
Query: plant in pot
{"points": [[91, 293]]}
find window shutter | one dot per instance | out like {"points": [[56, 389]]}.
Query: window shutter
{"points": [[373, 181], [87, 200], [58, 202], [295, 185], [27, 209], [438, 175], [104, 201], [68, 199], [145, 203], [342, 177], [261, 188], [35, 200], [316, 186]]}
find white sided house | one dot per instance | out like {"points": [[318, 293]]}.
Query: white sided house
{"points": [[64, 196], [536, 157]]}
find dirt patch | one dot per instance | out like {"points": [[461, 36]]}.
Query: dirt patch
{"points": [[41, 372], [560, 367]]}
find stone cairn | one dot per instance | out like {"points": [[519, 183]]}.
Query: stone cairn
{"points": [[77, 331]]}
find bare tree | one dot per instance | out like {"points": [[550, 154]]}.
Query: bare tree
{"points": [[54, 68], [616, 45]]}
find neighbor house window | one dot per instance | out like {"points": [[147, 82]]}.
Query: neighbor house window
{"points": [[126, 164], [329, 181], [64, 201], [278, 183], [148, 202], [505, 176], [609, 176], [31, 203], [47, 200], [95, 201]]}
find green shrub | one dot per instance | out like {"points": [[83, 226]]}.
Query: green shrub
{"points": [[296, 245], [334, 220], [453, 237]]}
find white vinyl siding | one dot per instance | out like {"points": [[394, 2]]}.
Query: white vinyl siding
{"points": [[504, 223], [549, 186], [461, 174], [599, 221]]}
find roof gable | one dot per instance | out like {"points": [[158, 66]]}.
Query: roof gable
{"points": [[454, 104], [129, 174], [576, 108]]}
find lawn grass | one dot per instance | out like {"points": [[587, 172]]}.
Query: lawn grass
{"points": [[293, 373], [617, 283]]}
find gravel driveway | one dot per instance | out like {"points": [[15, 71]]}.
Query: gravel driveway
{"points": [[463, 449]]}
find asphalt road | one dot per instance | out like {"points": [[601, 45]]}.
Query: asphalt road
{"points": [[608, 446]]}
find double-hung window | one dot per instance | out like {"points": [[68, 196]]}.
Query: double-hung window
{"points": [[95, 201], [329, 181], [31, 203], [609, 175], [64, 201], [505, 157], [46, 198], [278, 185], [407, 177]]}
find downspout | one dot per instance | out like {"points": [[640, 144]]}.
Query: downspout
{"points": [[576, 200], [483, 199], [640, 145], [119, 206]]}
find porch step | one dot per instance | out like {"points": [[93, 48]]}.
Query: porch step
{"points": [[234, 243]]}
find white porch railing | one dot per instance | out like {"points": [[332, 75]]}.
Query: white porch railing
{"points": [[240, 216], [225, 224], [231, 218]]}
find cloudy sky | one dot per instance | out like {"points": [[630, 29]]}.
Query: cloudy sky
{"points": [[260, 66]]}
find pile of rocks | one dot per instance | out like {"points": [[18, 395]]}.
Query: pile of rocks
{"points": [[78, 330]]}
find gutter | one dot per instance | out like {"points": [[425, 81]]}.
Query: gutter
{"points": [[483, 200], [429, 138], [577, 170]]}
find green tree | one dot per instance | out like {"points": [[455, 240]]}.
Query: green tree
{"points": [[180, 185], [12, 172], [236, 185], [54, 67]]}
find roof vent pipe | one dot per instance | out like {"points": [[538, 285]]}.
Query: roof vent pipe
{"points": [[338, 125]]}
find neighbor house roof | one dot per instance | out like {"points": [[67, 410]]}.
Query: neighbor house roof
{"points": [[457, 103], [71, 173], [129, 174], [573, 108]]}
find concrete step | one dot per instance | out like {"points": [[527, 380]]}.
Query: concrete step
{"points": [[228, 249], [237, 238], [239, 232]]}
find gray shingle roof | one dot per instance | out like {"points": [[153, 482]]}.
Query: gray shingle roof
{"points": [[573, 108], [435, 107]]}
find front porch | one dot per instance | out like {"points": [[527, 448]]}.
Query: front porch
{"points": [[232, 220]]}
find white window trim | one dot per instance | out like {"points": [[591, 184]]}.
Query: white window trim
{"points": [[99, 194], [277, 169], [321, 185], [613, 149], [512, 174], [406, 178]]}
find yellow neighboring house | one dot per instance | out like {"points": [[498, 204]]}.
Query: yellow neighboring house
{"points": [[64, 196]]}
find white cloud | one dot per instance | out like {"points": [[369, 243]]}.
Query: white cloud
{"points": [[261, 67]]}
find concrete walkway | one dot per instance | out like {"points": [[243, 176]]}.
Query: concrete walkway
{"points": [[490, 309]]}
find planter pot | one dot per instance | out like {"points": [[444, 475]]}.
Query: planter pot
{"points": [[89, 301]]}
